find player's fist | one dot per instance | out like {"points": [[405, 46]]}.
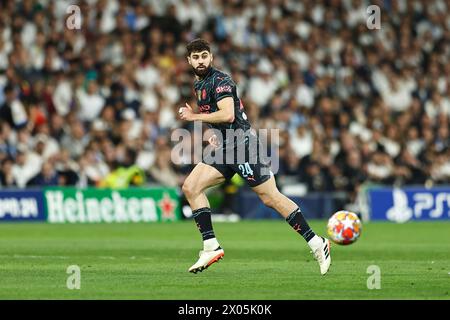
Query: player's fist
{"points": [[186, 113]]}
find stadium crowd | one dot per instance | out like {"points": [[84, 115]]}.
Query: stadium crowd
{"points": [[78, 106]]}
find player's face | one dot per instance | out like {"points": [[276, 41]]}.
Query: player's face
{"points": [[200, 62]]}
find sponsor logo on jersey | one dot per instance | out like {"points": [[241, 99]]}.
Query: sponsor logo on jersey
{"points": [[204, 94], [223, 89], [199, 95]]}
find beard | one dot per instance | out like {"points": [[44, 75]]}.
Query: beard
{"points": [[202, 71]]}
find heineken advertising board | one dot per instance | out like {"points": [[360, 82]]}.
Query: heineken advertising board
{"points": [[92, 205], [71, 205]]}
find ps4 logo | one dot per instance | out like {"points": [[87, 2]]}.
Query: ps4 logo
{"points": [[424, 205]]}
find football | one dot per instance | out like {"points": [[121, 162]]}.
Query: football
{"points": [[344, 227]]}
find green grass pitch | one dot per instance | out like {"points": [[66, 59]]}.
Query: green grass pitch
{"points": [[263, 260]]}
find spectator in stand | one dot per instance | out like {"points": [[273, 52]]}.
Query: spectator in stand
{"points": [[46, 178]]}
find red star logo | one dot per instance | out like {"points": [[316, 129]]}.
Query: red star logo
{"points": [[167, 206]]}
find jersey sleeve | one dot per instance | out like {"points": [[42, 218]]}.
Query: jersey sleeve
{"points": [[224, 88]]}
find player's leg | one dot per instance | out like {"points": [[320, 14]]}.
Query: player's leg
{"points": [[260, 178], [202, 177], [273, 198]]}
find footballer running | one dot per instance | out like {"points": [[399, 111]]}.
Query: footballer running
{"points": [[221, 109]]}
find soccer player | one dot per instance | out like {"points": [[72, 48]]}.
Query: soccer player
{"points": [[221, 108]]}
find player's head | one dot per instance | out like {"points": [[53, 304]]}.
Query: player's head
{"points": [[199, 56]]}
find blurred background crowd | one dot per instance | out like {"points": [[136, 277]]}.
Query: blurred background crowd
{"points": [[96, 106]]}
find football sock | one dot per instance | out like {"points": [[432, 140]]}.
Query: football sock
{"points": [[315, 242], [297, 221], [211, 244], [202, 217]]}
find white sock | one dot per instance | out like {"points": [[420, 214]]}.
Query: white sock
{"points": [[210, 244], [315, 242]]}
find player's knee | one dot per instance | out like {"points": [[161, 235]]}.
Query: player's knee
{"points": [[189, 189], [268, 200], [186, 188]]}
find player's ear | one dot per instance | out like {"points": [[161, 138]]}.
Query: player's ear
{"points": [[212, 57], [189, 60]]}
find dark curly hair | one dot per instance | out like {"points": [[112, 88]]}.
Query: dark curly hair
{"points": [[197, 45]]}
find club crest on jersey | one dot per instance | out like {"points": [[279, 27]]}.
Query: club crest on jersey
{"points": [[201, 94]]}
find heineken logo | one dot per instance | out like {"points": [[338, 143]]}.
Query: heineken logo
{"points": [[167, 206], [78, 207]]}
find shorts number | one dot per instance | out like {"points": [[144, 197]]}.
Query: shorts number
{"points": [[246, 169]]}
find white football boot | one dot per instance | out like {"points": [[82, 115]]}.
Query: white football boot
{"points": [[207, 258], [322, 255]]}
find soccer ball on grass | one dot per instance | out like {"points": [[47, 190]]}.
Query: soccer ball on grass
{"points": [[344, 227]]}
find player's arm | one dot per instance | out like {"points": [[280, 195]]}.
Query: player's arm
{"points": [[224, 114]]}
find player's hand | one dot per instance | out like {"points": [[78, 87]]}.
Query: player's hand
{"points": [[186, 113], [213, 141]]}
